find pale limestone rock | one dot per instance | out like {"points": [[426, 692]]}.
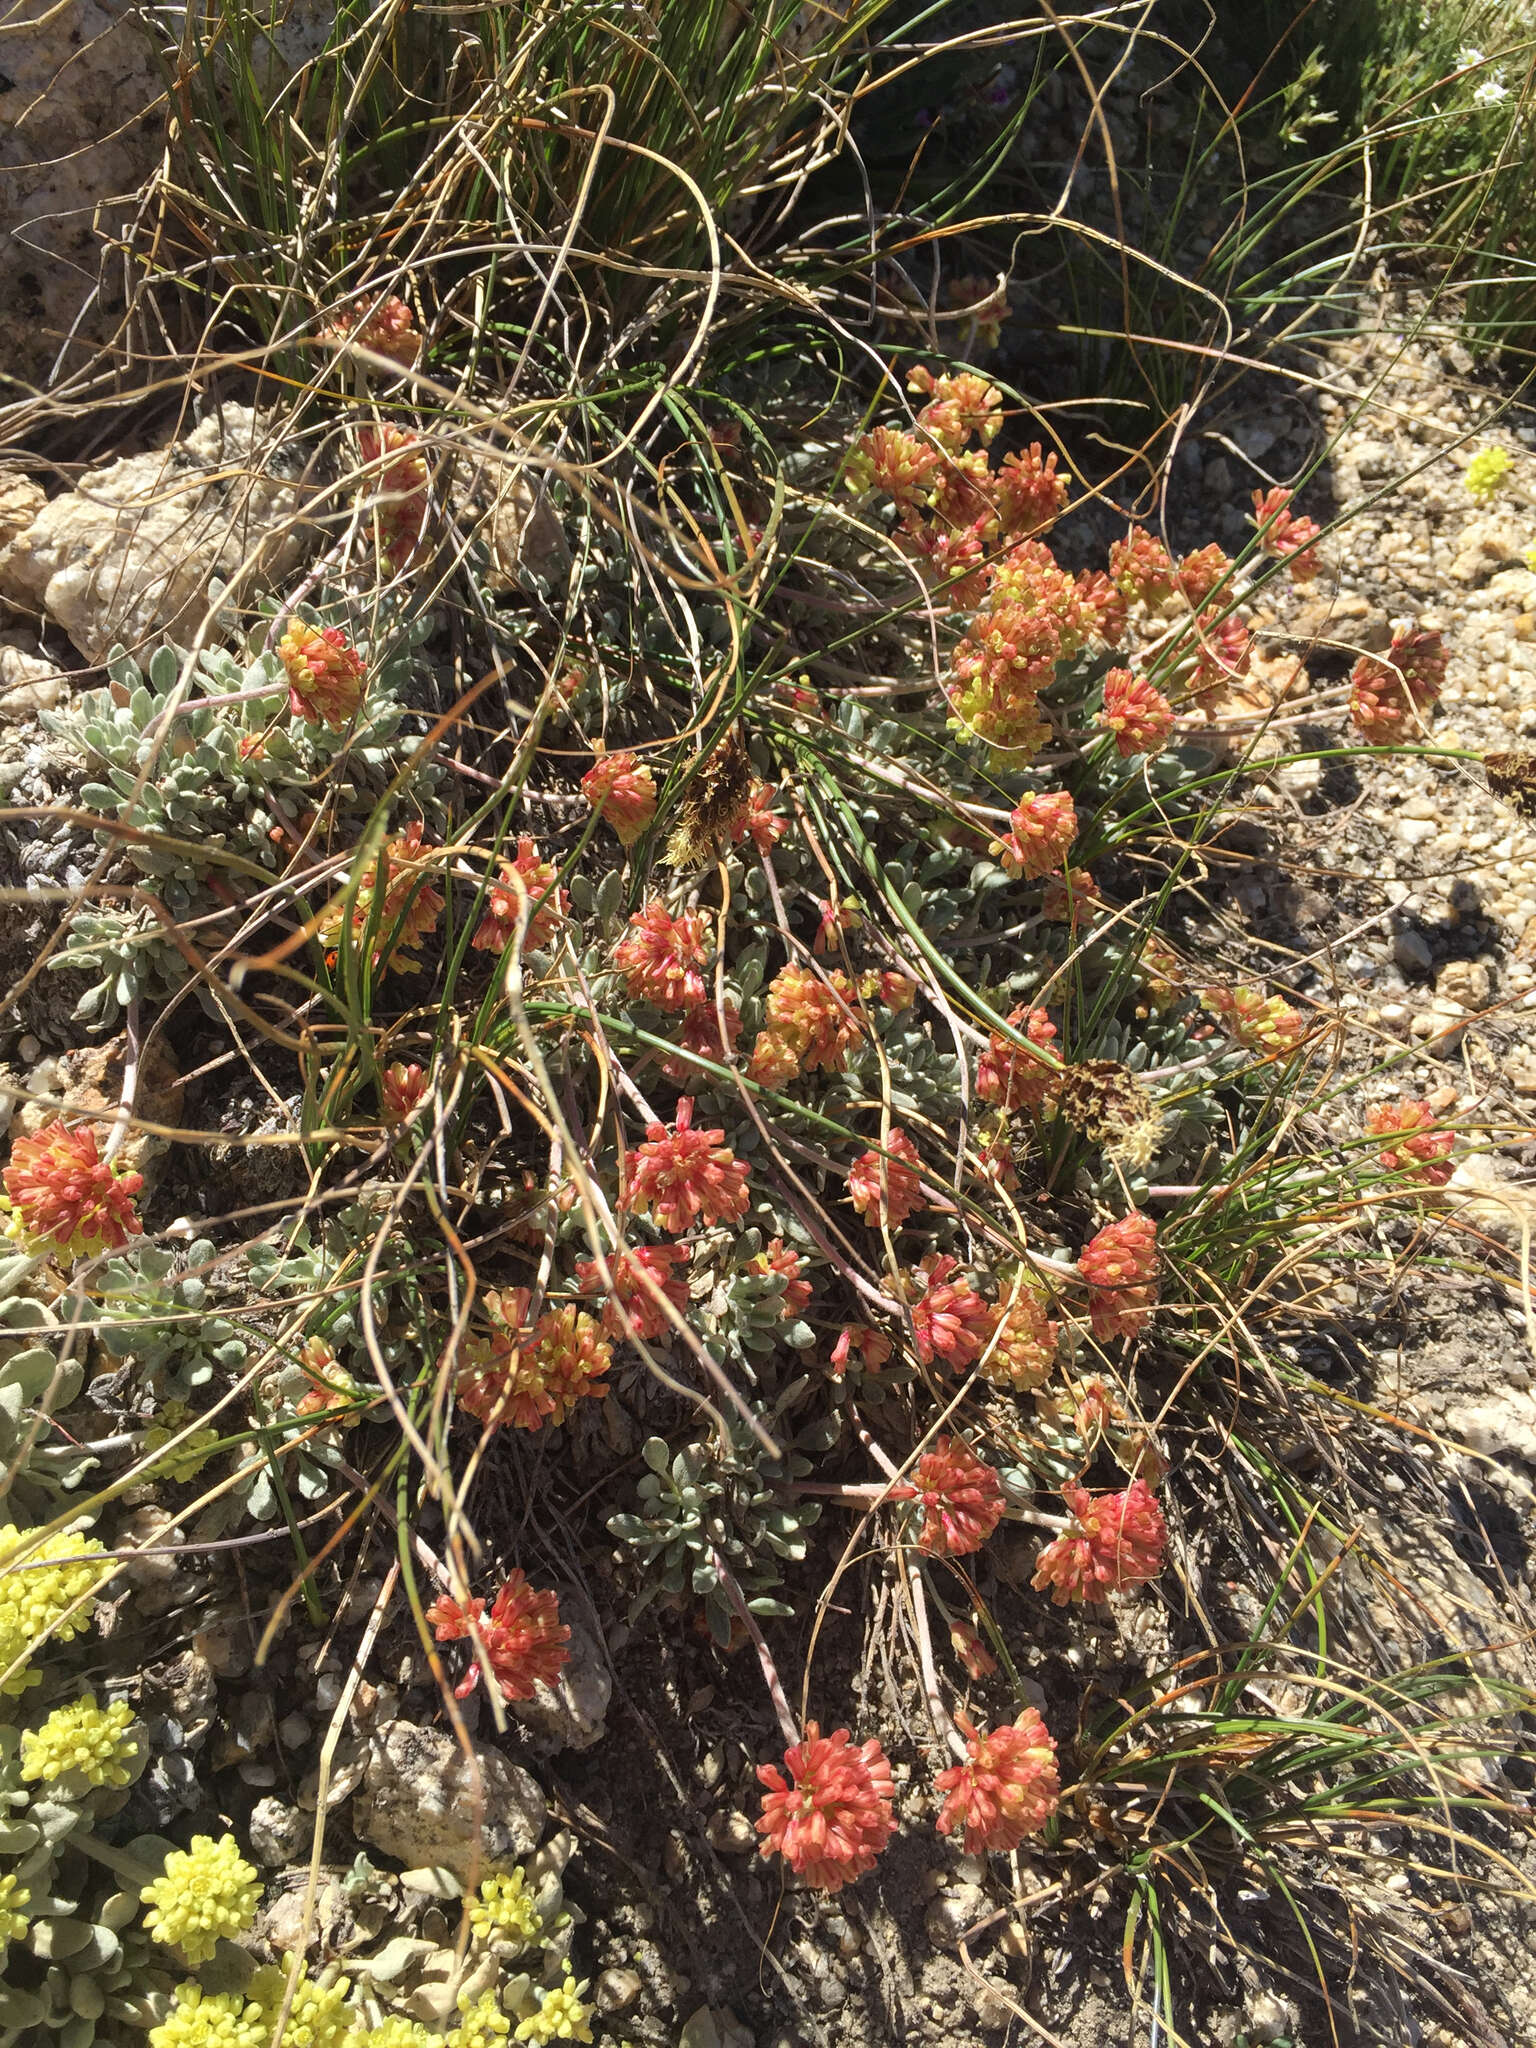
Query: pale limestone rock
{"points": [[570, 1715], [424, 1802], [128, 554], [79, 131]]}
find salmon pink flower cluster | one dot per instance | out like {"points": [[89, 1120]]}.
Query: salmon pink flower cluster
{"points": [[860, 1344], [884, 1186], [779, 1258], [680, 1175], [662, 957], [386, 326], [950, 1321], [622, 791], [811, 1021], [1119, 1264], [394, 907], [326, 677], [1113, 1542], [1009, 1074], [397, 492], [1040, 835], [525, 1378], [63, 1199], [1021, 1352], [828, 1811], [1266, 1024], [1388, 695], [1418, 1146], [1284, 536], [1139, 716], [522, 1637], [528, 879], [960, 1498], [404, 1089], [1007, 1788], [640, 1273]]}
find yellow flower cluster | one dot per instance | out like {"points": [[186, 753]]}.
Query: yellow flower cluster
{"points": [[1486, 472], [561, 2015], [204, 1892], [506, 1910], [209, 2019], [319, 2016], [483, 2025], [83, 1739], [14, 1897], [41, 1598], [394, 2033]]}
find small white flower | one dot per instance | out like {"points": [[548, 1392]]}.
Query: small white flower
{"points": [[1468, 58], [1490, 92]]}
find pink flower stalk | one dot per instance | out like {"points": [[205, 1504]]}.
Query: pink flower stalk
{"points": [[1259, 1022], [950, 1321], [831, 1817], [399, 492], [1008, 1074], [682, 1174], [1119, 1264], [63, 1198], [859, 1343], [1140, 567], [1115, 1541], [1288, 539], [525, 1379], [961, 1499], [1139, 716], [1007, 1788], [1199, 573], [326, 677], [1419, 1145], [523, 1637], [408, 907], [778, 1257], [700, 1033], [622, 790], [887, 1189], [662, 957], [631, 1266], [1043, 829], [527, 879], [386, 326], [404, 1089], [1388, 697]]}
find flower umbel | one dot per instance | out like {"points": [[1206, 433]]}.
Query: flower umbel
{"points": [[1485, 473], [561, 2015], [1419, 1145], [1007, 1788], [81, 1742], [961, 1499], [831, 1817], [884, 1187], [1113, 1542], [949, 1319], [42, 1598], [63, 1198], [1139, 716], [204, 1892], [682, 1174], [1119, 1264], [326, 677], [523, 1637], [662, 957], [623, 793], [530, 880]]}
